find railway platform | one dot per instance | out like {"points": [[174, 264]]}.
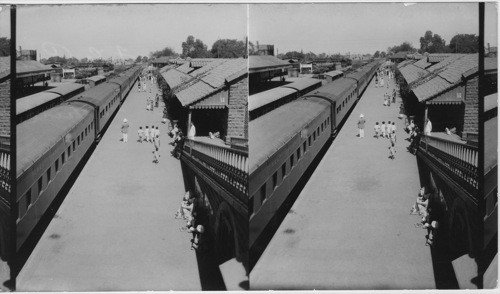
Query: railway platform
{"points": [[115, 230], [350, 227]]}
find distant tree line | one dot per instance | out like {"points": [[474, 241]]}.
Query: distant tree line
{"points": [[434, 43]]}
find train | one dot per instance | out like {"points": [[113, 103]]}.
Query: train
{"points": [[286, 140], [32, 105], [51, 144]]}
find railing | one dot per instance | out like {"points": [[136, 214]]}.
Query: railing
{"points": [[5, 183], [459, 158], [229, 167]]}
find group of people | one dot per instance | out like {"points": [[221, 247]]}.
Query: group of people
{"points": [[150, 102], [142, 85], [187, 212], [151, 136], [429, 222], [178, 141], [388, 97], [379, 77], [387, 131]]}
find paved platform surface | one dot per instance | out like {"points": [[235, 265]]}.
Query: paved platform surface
{"points": [[4, 275], [115, 230], [350, 226]]}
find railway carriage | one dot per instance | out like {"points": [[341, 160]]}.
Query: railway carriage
{"points": [[105, 99], [32, 105], [286, 140], [49, 147]]}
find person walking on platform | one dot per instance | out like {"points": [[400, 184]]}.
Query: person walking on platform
{"points": [[152, 133], [361, 126], [147, 134], [377, 130], [392, 151], [383, 129], [156, 153], [125, 127], [140, 132]]}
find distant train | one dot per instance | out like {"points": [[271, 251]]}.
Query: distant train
{"points": [[285, 141], [51, 144]]}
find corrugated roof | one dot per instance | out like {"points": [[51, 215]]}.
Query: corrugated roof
{"points": [[269, 96], [405, 63], [422, 63], [411, 73], [430, 88], [445, 62], [257, 62], [218, 75], [194, 93], [208, 67], [200, 62], [185, 68], [268, 134], [28, 66], [454, 71], [36, 136], [29, 102], [174, 78], [438, 57]]}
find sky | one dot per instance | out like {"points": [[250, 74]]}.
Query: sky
{"points": [[125, 31], [361, 27], [4, 21]]}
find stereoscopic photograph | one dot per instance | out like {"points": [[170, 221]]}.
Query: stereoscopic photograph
{"points": [[248, 146]]}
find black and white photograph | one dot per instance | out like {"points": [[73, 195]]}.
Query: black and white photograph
{"points": [[364, 136], [268, 146], [131, 147]]}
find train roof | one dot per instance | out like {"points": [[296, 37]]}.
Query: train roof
{"points": [[263, 98], [334, 89], [302, 84], [29, 102], [97, 95], [39, 134], [66, 88], [270, 132]]}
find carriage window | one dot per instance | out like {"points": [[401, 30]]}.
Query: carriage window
{"points": [[338, 109], [262, 193], [69, 152], [309, 140], [40, 185], [74, 145], [275, 179], [283, 170], [63, 159], [292, 163], [304, 146], [317, 131], [314, 136], [28, 198], [81, 136], [78, 140], [57, 165], [298, 154], [48, 176], [85, 132]]}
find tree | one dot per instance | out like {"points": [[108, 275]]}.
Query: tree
{"points": [[84, 60], [432, 43], [382, 54], [144, 59], [194, 48], [228, 48], [405, 46], [57, 59], [252, 49], [167, 51], [376, 54], [4, 47], [138, 59], [464, 43], [295, 54]]}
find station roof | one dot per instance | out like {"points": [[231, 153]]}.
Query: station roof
{"points": [[260, 63], [302, 84], [333, 73], [405, 63], [212, 80], [96, 78], [422, 63], [174, 78], [412, 73], [40, 133], [24, 68], [263, 98], [66, 88], [270, 132]]}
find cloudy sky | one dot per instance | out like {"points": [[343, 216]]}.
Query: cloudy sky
{"points": [[360, 27], [125, 30]]}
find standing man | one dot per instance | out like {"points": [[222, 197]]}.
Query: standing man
{"points": [[125, 126], [361, 126]]}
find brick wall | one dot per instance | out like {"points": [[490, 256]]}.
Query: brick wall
{"points": [[237, 121], [471, 115], [5, 108]]}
